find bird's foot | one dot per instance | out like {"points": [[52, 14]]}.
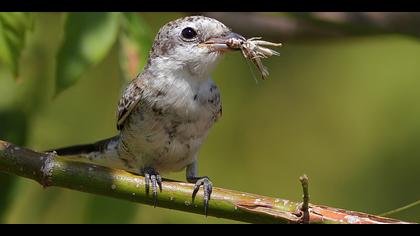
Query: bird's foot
{"points": [[207, 188], [152, 176]]}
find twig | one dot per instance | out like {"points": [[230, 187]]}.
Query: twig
{"points": [[305, 204], [401, 208], [50, 170]]}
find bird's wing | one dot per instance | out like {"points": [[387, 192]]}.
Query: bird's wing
{"points": [[128, 101]]}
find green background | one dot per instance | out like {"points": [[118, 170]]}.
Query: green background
{"points": [[344, 111]]}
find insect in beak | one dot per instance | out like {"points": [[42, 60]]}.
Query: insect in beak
{"points": [[221, 43], [251, 48]]}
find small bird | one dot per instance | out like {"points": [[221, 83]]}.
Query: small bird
{"points": [[166, 112]]}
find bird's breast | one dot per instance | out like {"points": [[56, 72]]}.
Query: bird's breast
{"points": [[166, 129]]}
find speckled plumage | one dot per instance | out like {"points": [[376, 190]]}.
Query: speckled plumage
{"points": [[167, 122]]}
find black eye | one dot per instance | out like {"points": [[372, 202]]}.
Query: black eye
{"points": [[189, 33]]}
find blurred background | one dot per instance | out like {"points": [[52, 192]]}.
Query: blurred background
{"points": [[342, 104]]}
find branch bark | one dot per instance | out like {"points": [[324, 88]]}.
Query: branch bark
{"points": [[51, 170], [319, 25]]}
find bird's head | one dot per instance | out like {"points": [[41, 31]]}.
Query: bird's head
{"points": [[192, 44]]}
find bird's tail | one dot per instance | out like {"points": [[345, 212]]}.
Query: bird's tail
{"points": [[103, 152], [83, 149]]}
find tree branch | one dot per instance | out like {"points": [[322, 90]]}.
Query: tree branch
{"points": [[51, 170], [318, 25]]}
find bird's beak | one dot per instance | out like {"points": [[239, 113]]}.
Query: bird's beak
{"points": [[220, 43]]}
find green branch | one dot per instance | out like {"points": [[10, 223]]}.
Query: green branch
{"points": [[51, 170]]}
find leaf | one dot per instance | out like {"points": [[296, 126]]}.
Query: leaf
{"points": [[13, 30], [87, 40], [135, 42]]}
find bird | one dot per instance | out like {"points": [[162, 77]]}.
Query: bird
{"points": [[165, 113]]}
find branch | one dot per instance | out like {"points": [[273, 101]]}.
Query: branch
{"points": [[319, 25], [51, 170]]}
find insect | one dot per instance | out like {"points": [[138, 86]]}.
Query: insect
{"points": [[252, 49]]}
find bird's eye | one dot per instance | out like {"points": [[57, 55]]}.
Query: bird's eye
{"points": [[189, 33]]}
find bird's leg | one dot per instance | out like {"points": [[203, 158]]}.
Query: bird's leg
{"points": [[151, 175], [191, 173]]}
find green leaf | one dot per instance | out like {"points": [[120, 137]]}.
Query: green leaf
{"points": [[13, 30], [135, 43], [87, 40]]}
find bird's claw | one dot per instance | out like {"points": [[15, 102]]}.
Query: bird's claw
{"points": [[153, 177], [207, 188]]}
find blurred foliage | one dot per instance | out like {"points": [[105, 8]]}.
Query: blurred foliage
{"points": [[345, 112], [135, 43], [87, 40], [13, 29]]}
